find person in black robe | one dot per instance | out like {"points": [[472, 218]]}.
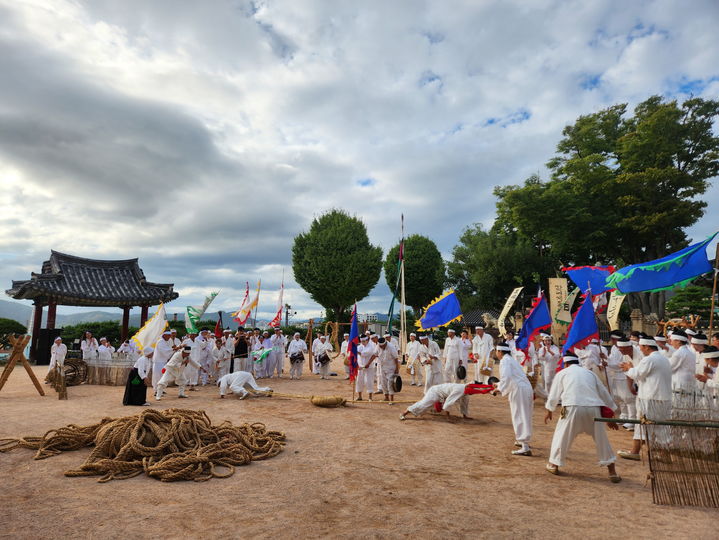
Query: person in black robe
{"points": [[138, 380]]}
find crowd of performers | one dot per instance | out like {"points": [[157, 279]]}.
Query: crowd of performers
{"points": [[635, 377]]}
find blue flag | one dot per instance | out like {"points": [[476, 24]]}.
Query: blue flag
{"points": [[441, 312], [583, 327], [596, 276], [538, 319], [675, 269], [352, 346]]}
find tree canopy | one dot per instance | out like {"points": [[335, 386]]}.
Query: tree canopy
{"points": [[693, 300], [424, 270], [623, 187], [335, 262], [487, 265]]}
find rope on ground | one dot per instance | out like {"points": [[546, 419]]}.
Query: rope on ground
{"points": [[169, 445], [327, 401]]}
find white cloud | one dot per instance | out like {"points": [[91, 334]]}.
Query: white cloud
{"points": [[203, 137]]}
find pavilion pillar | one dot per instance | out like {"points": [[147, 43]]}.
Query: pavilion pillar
{"points": [[51, 315], [125, 323], [143, 315], [36, 324]]}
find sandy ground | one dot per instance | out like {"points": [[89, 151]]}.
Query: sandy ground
{"points": [[351, 472]]}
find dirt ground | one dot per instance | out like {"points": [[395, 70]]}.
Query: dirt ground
{"points": [[351, 472]]}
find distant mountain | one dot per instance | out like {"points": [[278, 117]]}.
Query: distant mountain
{"points": [[15, 311]]}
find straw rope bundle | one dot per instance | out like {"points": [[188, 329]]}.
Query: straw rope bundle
{"points": [[170, 445]]}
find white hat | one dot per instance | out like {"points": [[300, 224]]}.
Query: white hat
{"points": [[690, 332], [503, 348], [387, 334], [647, 341], [347, 335], [148, 350], [296, 334], [58, 338], [413, 334], [166, 333], [451, 330]]}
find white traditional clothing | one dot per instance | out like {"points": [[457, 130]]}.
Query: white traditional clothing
{"points": [[315, 363], [446, 393], [514, 384], [653, 376], [104, 354], [324, 349], [413, 362], [481, 349], [222, 361], [343, 356], [175, 372], [387, 358], [143, 366], [365, 373], [619, 384], [683, 369], [58, 351], [237, 382], [89, 350], [192, 372], [163, 352], [452, 355], [430, 356], [296, 348], [548, 357], [581, 395]]}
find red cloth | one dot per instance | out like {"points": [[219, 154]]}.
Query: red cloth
{"points": [[478, 389], [438, 406], [606, 412]]}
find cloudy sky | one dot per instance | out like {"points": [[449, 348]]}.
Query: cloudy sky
{"points": [[202, 137]]}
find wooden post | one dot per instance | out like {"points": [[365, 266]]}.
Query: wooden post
{"points": [[310, 339], [36, 324], [125, 323], [143, 315], [714, 292], [19, 343], [51, 315]]}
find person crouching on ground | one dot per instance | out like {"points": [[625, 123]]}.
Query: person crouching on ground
{"points": [[238, 382], [582, 395], [175, 372], [442, 396]]}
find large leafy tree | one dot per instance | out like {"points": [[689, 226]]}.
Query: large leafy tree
{"points": [[335, 262], [487, 265], [623, 188], [693, 300], [424, 271]]}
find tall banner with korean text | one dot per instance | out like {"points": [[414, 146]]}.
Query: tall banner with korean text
{"points": [[505, 310], [558, 291], [615, 302]]}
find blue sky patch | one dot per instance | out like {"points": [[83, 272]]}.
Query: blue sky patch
{"points": [[590, 81], [366, 182]]}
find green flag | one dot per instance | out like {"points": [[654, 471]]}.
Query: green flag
{"points": [[194, 313]]}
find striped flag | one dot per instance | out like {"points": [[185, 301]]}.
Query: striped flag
{"points": [[244, 302], [246, 310], [277, 321]]}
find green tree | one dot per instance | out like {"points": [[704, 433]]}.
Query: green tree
{"points": [[424, 270], [7, 328], [335, 262], [623, 188], [109, 329], [487, 265], [693, 300]]}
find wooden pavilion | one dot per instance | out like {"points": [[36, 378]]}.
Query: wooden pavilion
{"points": [[68, 280]]}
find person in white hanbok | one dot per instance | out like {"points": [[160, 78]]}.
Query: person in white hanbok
{"points": [[343, 355], [620, 386], [89, 347], [683, 363], [58, 351], [514, 384], [323, 350], [238, 383], [388, 358], [548, 356], [221, 357], [430, 356], [452, 355], [581, 395], [164, 349], [653, 376], [366, 355], [711, 381], [413, 362], [175, 372], [104, 353], [296, 351], [441, 397], [482, 345]]}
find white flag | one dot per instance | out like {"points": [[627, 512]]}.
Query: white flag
{"points": [[151, 331]]}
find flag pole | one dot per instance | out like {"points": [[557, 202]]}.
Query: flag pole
{"points": [[254, 319], [402, 313], [714, 292]]}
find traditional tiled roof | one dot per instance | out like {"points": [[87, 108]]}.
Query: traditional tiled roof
{"points": [[76, 281]]}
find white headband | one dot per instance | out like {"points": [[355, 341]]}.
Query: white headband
{"points": [[690, 332], [679, 337], [696, 341], [660, 338], [413, 334], [570, 358], [713, 354], [647, 341], [503, 348], [624, 343]]}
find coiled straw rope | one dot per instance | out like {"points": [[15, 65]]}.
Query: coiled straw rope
{"points": [[169, 445]]}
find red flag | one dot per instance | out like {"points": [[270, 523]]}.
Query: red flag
{"points": [[218, 326]]}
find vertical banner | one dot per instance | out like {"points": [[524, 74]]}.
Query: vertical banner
{"points": [[506, 308], [563, 315], [558, 291], [615, 302]]}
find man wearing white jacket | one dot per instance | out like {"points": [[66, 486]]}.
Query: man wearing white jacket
{"points": [[175, 372], [366, 355], [683, 363], [296, 351], [452, 355], [581, 395], [548, 356], [482, 345], [622, 351], [58, 351], [413, 362], [514, 384], [238, 382], [653, 376], [164, 349], [429, 356]]}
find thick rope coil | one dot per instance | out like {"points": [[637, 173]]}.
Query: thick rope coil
{"points": [[170, 445]]}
